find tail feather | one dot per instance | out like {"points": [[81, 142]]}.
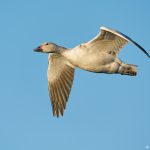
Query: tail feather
{"points": [[128, 69]]}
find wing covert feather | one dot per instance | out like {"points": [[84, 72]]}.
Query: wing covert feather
{"points": [[111, 41]]}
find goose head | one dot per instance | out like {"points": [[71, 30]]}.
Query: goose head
{"points": [[46, 48]]}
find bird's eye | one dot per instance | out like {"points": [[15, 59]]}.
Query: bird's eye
{"points": [[46, 44]]}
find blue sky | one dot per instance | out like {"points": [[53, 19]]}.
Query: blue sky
{"points": [[107, 112]]}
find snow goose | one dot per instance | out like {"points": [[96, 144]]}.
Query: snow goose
{"points": [[98, 55]]}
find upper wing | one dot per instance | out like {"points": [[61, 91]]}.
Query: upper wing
{"points": [[111, 41], [60, 78]]}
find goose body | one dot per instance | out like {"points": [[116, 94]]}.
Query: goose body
{"points": [[89, 60], [98, 55]]}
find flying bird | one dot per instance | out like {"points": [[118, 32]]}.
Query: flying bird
{"points": [[97, 55]]}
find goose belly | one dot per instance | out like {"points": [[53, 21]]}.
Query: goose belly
{"points": [[90, 61]]}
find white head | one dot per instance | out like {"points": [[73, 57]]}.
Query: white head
{"points": [[47, 48]]}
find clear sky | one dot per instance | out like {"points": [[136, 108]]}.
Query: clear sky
{"points": [[104, 112]]}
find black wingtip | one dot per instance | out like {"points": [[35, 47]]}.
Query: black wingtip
{"points": [[139, 46]]}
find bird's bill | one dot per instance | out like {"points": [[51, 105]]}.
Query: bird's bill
{"points": [[38, 49]]}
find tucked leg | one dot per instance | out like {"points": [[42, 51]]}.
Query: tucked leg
{"points": [[119, 67]]}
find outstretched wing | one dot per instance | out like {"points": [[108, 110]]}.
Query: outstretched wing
{"points": [[60, 78], [111, 41]]}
